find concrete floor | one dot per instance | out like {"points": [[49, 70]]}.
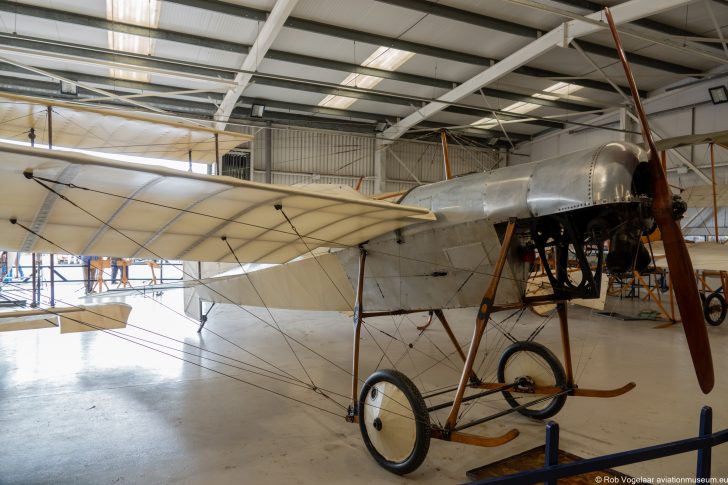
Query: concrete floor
{"points": [[95, 409]]}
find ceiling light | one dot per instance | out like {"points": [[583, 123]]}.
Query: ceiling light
{"points": [[137, 12], [387, 58], [69, 88], [523, 108], [384, 58], [257, 110], [718, 94]]}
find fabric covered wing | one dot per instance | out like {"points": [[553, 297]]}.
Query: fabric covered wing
{"points": [[116, 131], [705, 255], [689, 140], [143, 211], [701, 196]]}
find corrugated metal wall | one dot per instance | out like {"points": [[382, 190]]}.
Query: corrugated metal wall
{"points": [[316, 157], [406, 160], [309, 156]]}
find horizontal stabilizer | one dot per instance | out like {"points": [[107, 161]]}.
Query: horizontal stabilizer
{"points": [[318, 283], [69, 319]]}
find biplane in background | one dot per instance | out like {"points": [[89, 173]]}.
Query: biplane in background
{"points": [[710, 261], [67, 125], [709, 258], [465, 242]]}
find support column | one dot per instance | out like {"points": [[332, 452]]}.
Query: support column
{"points": [[445, 155], [50, 127], [268, 153], [625, 123], [502, 158], [218, 163], [715, 202], [380, 166]]}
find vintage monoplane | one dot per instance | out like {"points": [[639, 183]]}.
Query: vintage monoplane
{"points": [[464, 242]]}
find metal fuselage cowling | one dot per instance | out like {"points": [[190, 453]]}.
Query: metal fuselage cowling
{"points": [[564, 203]]}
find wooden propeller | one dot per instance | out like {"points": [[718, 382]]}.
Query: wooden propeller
{"points": [[678, 259]]}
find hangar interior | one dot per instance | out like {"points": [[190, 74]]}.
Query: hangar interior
{"points": [[362, 110]]}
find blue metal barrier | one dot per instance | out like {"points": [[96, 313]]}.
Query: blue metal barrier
{"points": [[552, 471]]}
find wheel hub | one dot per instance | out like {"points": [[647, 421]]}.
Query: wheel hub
{"points": [[377, 423], [525, 384]]}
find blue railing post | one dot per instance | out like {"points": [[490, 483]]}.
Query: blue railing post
{"points": [[704, 454], [551, 451]]}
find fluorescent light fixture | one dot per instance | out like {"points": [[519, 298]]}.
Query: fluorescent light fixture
{"points": [[718, 94], [523, 108], [384, 58], [69, 88], [257, 110], [138, 12]]}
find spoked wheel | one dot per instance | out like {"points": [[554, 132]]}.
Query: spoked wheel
{"points": [[394, 421], [715, 308], [530, 364]]}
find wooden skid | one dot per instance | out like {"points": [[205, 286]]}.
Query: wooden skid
{"points": [[472, 439], [576, 391], [604, 392]]}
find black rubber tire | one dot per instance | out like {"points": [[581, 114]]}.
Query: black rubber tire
{"points": [[422, 421], [556, 368], [713, 300]]}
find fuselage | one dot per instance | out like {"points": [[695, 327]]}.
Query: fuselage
{"points": [[448, 263]]}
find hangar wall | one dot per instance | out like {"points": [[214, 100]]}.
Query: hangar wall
{"points": [[671, 113], [316, 156]]}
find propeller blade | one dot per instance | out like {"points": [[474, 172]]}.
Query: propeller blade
{"points": [[678, 259]]}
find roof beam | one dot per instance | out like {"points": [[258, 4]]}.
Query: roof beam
{"points": [[624, 12], [170, 65], [268, 33], [213, 96], [531, 32], [244, 12], [402, 100], [646, 23], [378, 40], [344, 119], [121, 27], [217, 76]]}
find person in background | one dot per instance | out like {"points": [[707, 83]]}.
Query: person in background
{"points": [[14, 262], [89, 273], [114, 269]]}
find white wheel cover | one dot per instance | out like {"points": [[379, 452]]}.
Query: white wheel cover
{"points": [[396, 440]]}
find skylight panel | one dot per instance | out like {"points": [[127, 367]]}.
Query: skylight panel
{"points": [[138, 12], [385, 58], [521, 107]]}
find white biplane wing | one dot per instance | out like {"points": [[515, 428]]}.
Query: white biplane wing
{"points": [[79, 204], [720, 137], [701, 196], [116, 131], [704, 255]]}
